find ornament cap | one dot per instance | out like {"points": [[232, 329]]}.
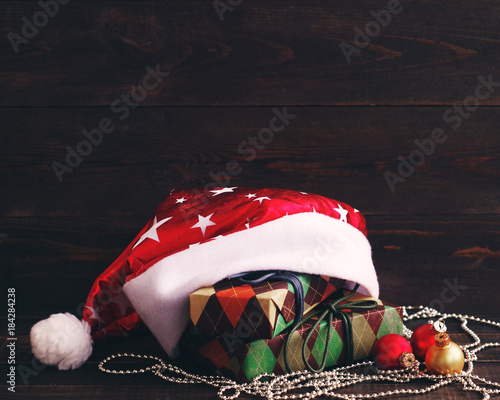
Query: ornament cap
{"points": [[439, 326], [406, 360], [442, 339]]}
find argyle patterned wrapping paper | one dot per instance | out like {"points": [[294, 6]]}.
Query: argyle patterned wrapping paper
{"points": [[244, 360], [254, 311]]}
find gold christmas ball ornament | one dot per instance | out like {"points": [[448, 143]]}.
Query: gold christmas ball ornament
{"points": [[444, 356]]}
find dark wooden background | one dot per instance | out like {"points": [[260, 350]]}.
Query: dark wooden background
{"points": [[440, 227]]}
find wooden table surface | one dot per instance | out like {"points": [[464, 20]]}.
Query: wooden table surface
{"points": [[424, 88]]}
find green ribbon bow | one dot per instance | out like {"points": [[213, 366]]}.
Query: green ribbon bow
{"points": [[331, 310]]}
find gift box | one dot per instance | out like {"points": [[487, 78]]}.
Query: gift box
{"points": [[258, 310], [243, 360]]}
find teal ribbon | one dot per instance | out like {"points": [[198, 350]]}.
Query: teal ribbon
{"points": [[331, 311]]}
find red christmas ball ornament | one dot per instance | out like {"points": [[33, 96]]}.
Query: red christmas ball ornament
{"points": [[393, 351], [423, 337]]}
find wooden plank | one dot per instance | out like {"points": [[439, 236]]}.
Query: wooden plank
{"points": [[162, 392], [120, 390], [434, 238], [38, 381], [144, 342], [448, 265], [261, 53], [340, 152]]}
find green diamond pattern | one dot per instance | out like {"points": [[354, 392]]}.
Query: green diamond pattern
{"points": [[333, 353], [259, 359], [391, 323]]}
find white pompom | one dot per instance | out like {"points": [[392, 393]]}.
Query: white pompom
{"points": [[61, 340]]}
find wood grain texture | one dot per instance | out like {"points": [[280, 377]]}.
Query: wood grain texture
{"points": [[261, 53], [416, 261], [435, 238], [338, 152], [88, 382]]}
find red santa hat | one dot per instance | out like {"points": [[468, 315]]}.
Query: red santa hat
{"points": [[196, 239]]}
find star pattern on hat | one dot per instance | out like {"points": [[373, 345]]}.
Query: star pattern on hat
{"points": [[222, 190], [152, 232], [247, 225], [203, 223], [95, 314], [217, 213], [343, 213], [261, 199]]}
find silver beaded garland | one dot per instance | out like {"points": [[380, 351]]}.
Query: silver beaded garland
{"points": [[327, 383]]}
